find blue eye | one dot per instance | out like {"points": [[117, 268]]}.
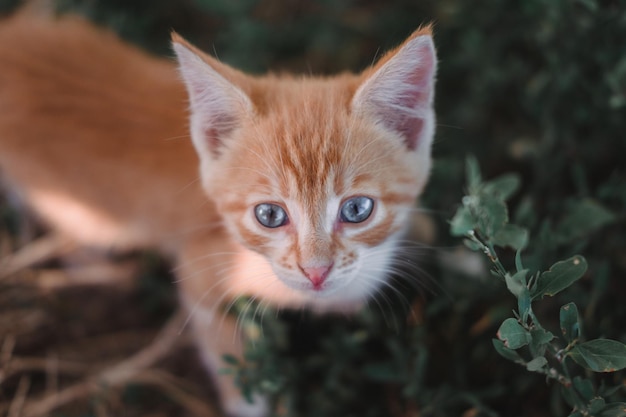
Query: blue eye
{"points": [[270, 215], [356, 209]]}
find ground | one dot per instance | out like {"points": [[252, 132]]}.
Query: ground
{"points": [[73, 349]]}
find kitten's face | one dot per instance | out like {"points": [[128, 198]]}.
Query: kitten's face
{"points": [[317, 175], [320, 193]]}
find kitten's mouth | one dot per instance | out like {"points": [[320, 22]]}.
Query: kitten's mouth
{"points": [[316, 284], [322, 289], [312, 289], [334, 294]]}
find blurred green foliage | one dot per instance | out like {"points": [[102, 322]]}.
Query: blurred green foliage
{"points": [[536, 87]]}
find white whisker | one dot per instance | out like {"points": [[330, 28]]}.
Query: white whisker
{"points": [[187, 186], [177, 137], [192, 261]]}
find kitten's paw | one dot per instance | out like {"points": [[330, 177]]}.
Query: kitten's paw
{"points": [[242, 408]]}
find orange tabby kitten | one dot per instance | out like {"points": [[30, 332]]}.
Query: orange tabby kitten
{"points": [[306, 183]]}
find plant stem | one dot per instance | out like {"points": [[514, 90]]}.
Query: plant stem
{"points": [[488, 250]]}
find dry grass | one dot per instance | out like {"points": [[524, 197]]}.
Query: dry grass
{"points": [[73, 346]]}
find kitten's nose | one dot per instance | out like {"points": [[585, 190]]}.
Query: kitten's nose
{"points": [[317, 275]]}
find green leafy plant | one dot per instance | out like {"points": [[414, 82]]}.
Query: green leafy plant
{"points": [[483, 220]]}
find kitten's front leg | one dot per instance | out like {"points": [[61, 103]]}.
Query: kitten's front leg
{"points": [[203, 283], [215, 337]]}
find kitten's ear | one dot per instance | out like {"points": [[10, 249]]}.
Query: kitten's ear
{"points": [[218, 106], [398, 92]]}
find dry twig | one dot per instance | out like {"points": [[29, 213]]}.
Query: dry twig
{"points": [[20, 397], [133, 369], [45, 248]]}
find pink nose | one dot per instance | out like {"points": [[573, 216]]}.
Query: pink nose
{"points": [[317, 275]]}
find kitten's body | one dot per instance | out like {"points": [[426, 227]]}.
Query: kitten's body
{"points": [[94, 138], [77, 104]]}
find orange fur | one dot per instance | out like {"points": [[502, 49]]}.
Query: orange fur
{"points": [[94, 139], [78, 104]]}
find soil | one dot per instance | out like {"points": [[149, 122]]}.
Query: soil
{"points": [[72, 349]]}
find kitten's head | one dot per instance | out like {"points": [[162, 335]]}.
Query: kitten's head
{"points": [[318, 175]]}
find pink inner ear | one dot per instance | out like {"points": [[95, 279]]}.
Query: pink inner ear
{"points": [[216, 129], [411, 128], [211, 136], [400, 93], [217, 105], [405, 114], [416, 96]]}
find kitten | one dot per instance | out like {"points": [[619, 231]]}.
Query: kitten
{"points": [[306, 183]]}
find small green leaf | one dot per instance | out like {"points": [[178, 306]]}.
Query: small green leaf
{"points": [[584, 387], [613, 410], [505, 352], [560, 276], [462, 222], [596, 404], [537, 364], [570, 327], [518, 260], [524, 304], [510, 235], [539, 339], [270, 386], [570, 396], [583, 219], [608, 391], [504, 186], [246, 391], [512, 334], [491, 215], [600, 355], [231, 360], [516, 283]]}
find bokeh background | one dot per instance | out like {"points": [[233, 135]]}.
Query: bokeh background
{"points": [[536, 87]]}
